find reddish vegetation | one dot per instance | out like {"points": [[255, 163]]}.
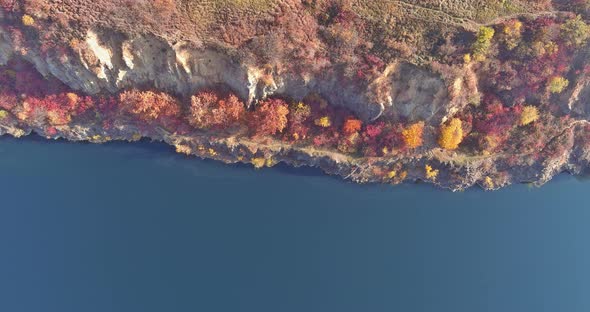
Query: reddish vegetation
{"points": [[58, 109], [298, 127], [207, 110], [311, 121], [8, 100], [351, 125], [8, 5], [495, 119], [529, 57], [149, 106], [269, 117], [413, 135], [517, 66]]}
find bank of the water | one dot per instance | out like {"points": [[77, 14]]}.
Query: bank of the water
{"points": [[136, 227]]}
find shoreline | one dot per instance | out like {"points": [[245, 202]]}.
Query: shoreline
{"points": [[248, 153]]}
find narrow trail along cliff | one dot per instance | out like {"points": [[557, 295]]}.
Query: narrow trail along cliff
{"points": [[457, 93]]}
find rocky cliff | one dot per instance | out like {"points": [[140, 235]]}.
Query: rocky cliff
{"points": [[416, 91]]}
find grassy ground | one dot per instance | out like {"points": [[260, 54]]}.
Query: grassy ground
{"points": [[235, 22]]}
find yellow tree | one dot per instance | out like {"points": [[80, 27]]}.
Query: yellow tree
{"points": [[430, 173], [323, 122], [557, 84], [27, 20], [451, 134], [413, 135], [529, 115], [511, 33], [482, 43]]}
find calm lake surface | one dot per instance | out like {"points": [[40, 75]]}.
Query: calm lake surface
{"points": [[135, 227]]}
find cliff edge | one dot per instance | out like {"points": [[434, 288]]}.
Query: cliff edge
{"points": [[456, 93]]}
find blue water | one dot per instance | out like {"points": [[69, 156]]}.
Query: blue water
{"points": [[135, 227]]}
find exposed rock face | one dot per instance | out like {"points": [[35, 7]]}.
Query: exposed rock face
{"points": [[578, 100], [411, 93], [110, 62], [404, 94]]}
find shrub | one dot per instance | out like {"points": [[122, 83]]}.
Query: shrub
{"points": [[201, 106], [412, 135], [351, 125], [482, 43], [27, 20], [325, 139], [529, 114], [557, 84], [323, 122], [374, 130], [512, 28], [430, 173], [107, 106], [164, 8], [228, 111], [8, 100], [488, 183], [391, 174], [511, 34], [298, 115], [575, 32], [57, 109], [183, 149], [349, 144], [258, 162], [451, 134], [8, 5]]}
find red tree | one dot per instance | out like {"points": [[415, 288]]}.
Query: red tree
{"points": [[269, 117], [208, 110], [8, 100], [57, 109], [351, 125], [148, 105]]}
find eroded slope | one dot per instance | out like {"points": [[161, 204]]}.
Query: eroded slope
{"points": [[451, 92]]}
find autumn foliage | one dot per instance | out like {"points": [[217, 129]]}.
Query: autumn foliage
{"points": [[269, 117], [451, 134], [529, 114], [299, 114], [310, 121], [351, 125], [506, 81], [413, 135], [430, 173], [8, 100], [57, 109], [557, 84], [207, 110], [149, 105], [483, 42], [323, 122]]}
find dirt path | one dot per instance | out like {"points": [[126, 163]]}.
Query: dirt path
{"points": [[470, 24]]}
